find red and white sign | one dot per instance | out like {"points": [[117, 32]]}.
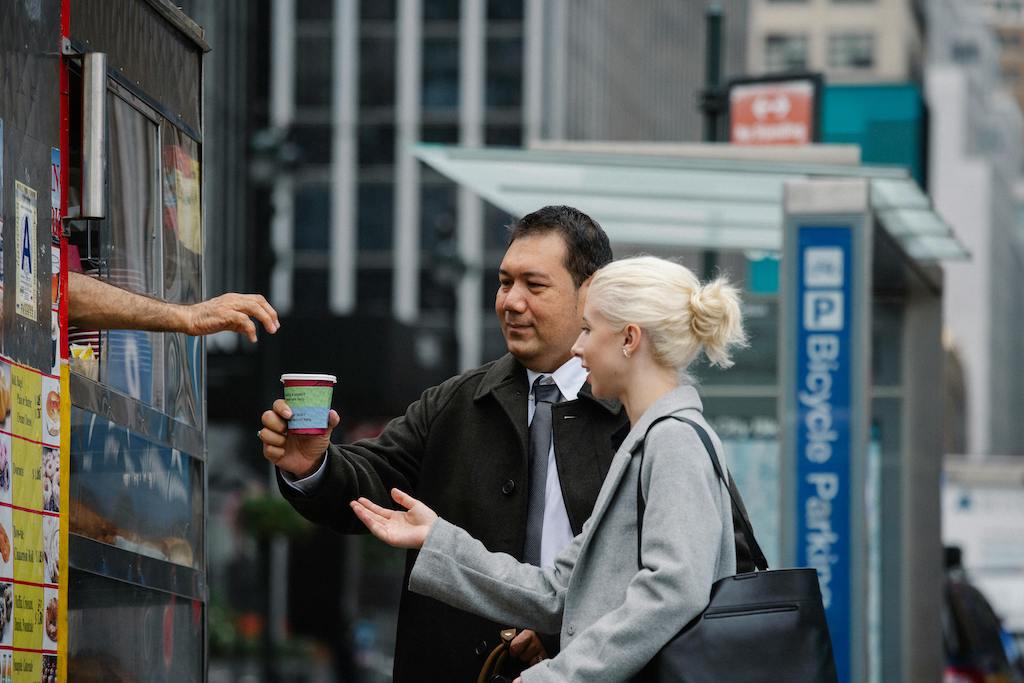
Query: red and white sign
{"points": [[772, 113]]}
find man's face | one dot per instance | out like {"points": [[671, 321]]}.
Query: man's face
{"points": [[537, 302]]}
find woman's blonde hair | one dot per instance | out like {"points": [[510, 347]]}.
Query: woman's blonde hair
{"points": [[665, 299]]}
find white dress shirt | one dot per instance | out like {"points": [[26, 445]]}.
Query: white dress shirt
{"points": [[557, 532]]}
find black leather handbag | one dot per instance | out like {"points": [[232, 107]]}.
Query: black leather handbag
{"points": [[759, 626]]}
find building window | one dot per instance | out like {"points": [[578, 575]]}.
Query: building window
{"points": [[504, 73], [851, 51], [375, 215], [377, 72], [314, 142], [312, 217], [443, 133], [440, 73], [441, 10], [785, 52], [503, 135], [376, 145], [313, 76], [505, 10], [317, 10], [1009, 39], [964, 52], [312, 285], [377, 10]]}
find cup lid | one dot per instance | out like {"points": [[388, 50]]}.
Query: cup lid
{"points": [[303, 377]]}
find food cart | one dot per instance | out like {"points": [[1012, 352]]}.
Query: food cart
{"points": [[102, 433]]}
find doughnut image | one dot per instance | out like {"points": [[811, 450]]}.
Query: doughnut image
{"points": [[51, 480]]}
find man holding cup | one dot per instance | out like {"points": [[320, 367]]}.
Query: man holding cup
{"points": [[514, 451]]}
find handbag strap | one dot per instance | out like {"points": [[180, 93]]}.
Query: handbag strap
{"points": [[495, 660], [751, 547]]}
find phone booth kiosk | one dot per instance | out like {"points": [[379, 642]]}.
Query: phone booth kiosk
{"points": [[102, 432]]}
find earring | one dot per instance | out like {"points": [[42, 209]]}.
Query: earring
{"points": [[625, 352]]}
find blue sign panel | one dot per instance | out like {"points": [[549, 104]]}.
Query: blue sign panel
{"points": [[824, 304]]}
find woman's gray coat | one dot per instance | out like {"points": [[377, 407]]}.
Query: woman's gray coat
{"points": [[612, 618]]}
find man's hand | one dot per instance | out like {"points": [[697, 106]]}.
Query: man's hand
{"points": [[232, 312], [297, 454], [527, 648], [398, 529]]}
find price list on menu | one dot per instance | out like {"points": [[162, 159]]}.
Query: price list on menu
{"points": [[30, 539], [33, 601]]}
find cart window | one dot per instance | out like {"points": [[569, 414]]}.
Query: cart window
{"points": [[182, 269], [121, 632], [133, 493]]}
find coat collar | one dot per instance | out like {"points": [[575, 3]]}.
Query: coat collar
{"points": [[683, 397], [504, 371], [507, 372]]}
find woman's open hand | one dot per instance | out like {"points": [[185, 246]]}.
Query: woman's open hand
{"points": [[399, 529]]}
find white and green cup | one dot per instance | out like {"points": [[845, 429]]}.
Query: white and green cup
{"points": [[309, 397]]}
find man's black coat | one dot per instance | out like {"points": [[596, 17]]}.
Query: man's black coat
{"points": [[462, 450]]}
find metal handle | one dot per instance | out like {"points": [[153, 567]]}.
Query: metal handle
{"points": [[94, 135]]}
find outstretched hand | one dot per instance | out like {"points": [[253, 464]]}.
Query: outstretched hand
{"points": [[399, 529], [232, 312]]}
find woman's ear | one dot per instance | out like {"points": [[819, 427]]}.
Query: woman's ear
{"points": [[631, 336]]}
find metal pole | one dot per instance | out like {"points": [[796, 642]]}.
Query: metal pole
{"points": [[711, 98], [712, 72], [94, 135]]}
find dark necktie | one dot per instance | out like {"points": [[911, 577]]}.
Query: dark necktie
{"points": [[540, 446]]}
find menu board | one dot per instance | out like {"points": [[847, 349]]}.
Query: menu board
{"points": [[33, 540]]}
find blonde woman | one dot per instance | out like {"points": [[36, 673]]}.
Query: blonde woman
{"points": [[645, 321]]}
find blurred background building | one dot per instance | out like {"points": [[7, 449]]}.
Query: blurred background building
{"points": [[851, 41], [975, 167], [606, 70], [1007, 18], [313, 196]]}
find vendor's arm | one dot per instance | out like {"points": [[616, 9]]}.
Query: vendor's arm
{"points": [[93, 303]]}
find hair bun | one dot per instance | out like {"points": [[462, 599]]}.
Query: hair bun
{"points": [[715, 320], [703, 314]]}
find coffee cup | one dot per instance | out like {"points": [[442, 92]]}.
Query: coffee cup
{"points": [[309, 397]]}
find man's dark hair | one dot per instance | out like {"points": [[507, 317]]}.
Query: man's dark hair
{"points": [[587, 247]]}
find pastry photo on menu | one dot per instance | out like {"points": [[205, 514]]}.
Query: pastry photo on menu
{"points": [[51, 607], [51, 409], [51, 549], [5, 468], [6, 613], [6, 550], [51, 479]]}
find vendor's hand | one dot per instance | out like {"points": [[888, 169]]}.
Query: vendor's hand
{"points": [[396, 528], [519, 679], [297, 454], [527, 648], [231, 312]]}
